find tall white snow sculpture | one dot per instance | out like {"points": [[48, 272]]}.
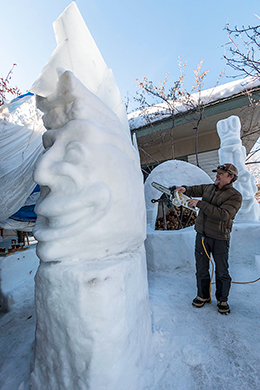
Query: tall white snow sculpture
{"points": [[232, 151], [93, 320], [76, 51], [90, 177]]}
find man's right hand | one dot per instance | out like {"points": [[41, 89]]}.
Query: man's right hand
{"points": [[181, 189]]}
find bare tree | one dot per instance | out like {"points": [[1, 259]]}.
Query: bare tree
{"points": [[5, 88], [242, 51], [195, 103], [242, 54], [157, 103]]}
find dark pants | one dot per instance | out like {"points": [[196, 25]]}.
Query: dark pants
{"points": [[219, 250]]}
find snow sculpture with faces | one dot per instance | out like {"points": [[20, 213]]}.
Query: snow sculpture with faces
{"points": [[93, 325], [232, 151], [92, 306], [90, 177]]}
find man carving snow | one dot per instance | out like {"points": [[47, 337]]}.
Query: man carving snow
{"points": [[217, 209]]}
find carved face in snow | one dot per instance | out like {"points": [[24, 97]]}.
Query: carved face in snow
{"points": [[91, 204], [229, 130]]}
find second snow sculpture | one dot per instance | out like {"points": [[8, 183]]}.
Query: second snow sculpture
{"points": [[232, 151]]}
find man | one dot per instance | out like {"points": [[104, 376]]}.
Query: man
{"points": [[217, 209]]}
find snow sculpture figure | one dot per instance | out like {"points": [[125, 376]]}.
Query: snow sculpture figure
{"points": [[232, 151], [91, 211], [90, 177], [91, 293]]}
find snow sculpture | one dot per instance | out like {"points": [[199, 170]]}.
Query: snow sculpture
{"points": [[90, 173], [232, 151], [91, 210], [73, 37], [93, 320]]}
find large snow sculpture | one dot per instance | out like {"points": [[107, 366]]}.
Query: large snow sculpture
{"points": [[91, 284], [232, 151], [93, 320], [90, 177]]}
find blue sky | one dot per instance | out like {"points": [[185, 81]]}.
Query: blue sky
{"points": [[135, 38]]}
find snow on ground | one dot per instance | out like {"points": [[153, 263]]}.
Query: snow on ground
{"points": [[192, 349], [200, 348], [18, 325]]}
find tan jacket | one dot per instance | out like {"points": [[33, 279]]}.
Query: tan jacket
{"points": [[217, 209]]}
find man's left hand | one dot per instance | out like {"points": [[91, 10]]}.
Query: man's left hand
{"points": [[193, 202]]}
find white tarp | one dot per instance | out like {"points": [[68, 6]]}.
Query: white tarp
{"points": [[21, 130]]}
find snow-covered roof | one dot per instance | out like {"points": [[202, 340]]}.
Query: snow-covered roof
{"points": [[161, 111]]}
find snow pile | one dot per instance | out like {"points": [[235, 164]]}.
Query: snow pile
{"points": [[17, 273], [21, 131]]}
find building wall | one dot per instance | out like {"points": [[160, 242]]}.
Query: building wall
{"points": [[207, 162], [151, 150]]}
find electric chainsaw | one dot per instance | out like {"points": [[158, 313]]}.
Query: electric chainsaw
{"points": [[175, 197]]}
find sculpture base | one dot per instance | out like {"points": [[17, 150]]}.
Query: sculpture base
{"points": [[93, 324]]}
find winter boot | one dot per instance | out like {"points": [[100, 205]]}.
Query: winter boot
{"points": [[223, 307], [199, 302]]}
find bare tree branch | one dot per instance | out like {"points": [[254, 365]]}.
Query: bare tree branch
{"points": [[155, 102]]}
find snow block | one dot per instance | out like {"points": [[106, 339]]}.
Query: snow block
{"points": [[93, 324], [257, 262], [244, 243], [168, 250], [17, 273]]}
